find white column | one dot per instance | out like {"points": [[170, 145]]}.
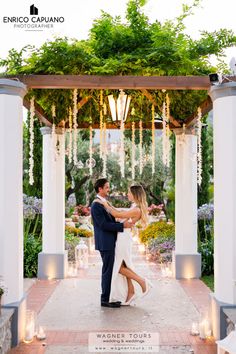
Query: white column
{"points": [[11, 194], [224, 109], [187, 261], [52, 260]]}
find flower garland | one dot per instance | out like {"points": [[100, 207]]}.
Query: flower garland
{"points": [[104, 148], [90, 149], [153, 140], [70, 136], [122, 149], [166, 132], [54, 135], [31, 142], [199, 147], [101, 124], [140, 147], [133, 152], [75, 126]]}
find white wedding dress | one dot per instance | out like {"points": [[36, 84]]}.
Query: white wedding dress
{"points": [[123, 253]]}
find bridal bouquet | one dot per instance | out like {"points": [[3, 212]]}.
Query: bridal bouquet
{"points": [[155, 209]]}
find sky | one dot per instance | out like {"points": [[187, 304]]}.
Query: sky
{"points": [[79, 15]]}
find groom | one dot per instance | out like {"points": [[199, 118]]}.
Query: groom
{"points": [[105, 233]]}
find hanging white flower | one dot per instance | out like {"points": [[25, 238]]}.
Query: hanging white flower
{"points": [[90, 149], [153, 140], [166, 132], [70, 136], [104, 155], [199, 147], [140, 147], [133, 151], [31, 142], [101, 124], [75, 126], [122, 149]]}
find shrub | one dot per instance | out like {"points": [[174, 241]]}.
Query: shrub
{"points": [[71, 242], [82, 210], [157, 229], [78, 232], [161, 248], [32, 247], [206, 248]]}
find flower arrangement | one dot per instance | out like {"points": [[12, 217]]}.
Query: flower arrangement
{"points": [[82, 210], [77, 231], [156, 230], [155, 209]]}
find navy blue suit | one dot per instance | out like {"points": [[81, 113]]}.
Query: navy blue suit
{"points": [[105, 233]]}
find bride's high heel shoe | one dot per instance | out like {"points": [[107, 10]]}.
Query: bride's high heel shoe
{"points": [[149, 285], [133, 297]]}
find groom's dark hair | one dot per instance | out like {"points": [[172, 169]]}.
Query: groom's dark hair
{"points": [[100, 183]]}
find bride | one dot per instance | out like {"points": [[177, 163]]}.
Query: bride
{"points": [[123, 275]]}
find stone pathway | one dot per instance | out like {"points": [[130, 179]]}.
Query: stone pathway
{"points": [[70, 311]]}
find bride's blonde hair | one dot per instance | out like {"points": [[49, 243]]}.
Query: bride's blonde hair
{"points": [[140, 200]]}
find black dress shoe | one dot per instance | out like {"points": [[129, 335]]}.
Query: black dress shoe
{"points": [[111, 304]]}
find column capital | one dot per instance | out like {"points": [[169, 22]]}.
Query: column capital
{"points": [[48, 130], [12, 87], [186, 131], [223, 90]]}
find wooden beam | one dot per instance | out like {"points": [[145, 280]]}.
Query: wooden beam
{"points": [[152, 99], [113, 82], [205, 106], [127, 126], [39, 112]]}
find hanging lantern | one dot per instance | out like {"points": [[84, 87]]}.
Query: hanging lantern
{"points": [[81, 255], [119, 107]]}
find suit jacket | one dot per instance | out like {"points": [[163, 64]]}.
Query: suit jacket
{"points": [[105, 228]]}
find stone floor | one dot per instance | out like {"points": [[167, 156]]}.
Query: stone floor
{"points": [[69, 310]]}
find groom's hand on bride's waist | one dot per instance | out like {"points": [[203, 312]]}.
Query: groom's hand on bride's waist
{"points": [[128, 225]]}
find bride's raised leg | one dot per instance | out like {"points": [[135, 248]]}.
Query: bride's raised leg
{"points": [[130, 289], [130, 274]]}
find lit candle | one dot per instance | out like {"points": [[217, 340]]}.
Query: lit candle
{"points": [[207, 328], [202, 333], [194, 330], [41, 334]]}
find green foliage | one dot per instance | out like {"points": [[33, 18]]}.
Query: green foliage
{"points": [[32, 247], [203, 195], [71, 241], [156, 230], [135, 47], [206, 248], [209, 281]]}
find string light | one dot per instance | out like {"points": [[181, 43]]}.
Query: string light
{"points": [[140, 147]]}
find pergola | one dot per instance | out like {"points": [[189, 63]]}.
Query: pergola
{"points": [[53, 258]]}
